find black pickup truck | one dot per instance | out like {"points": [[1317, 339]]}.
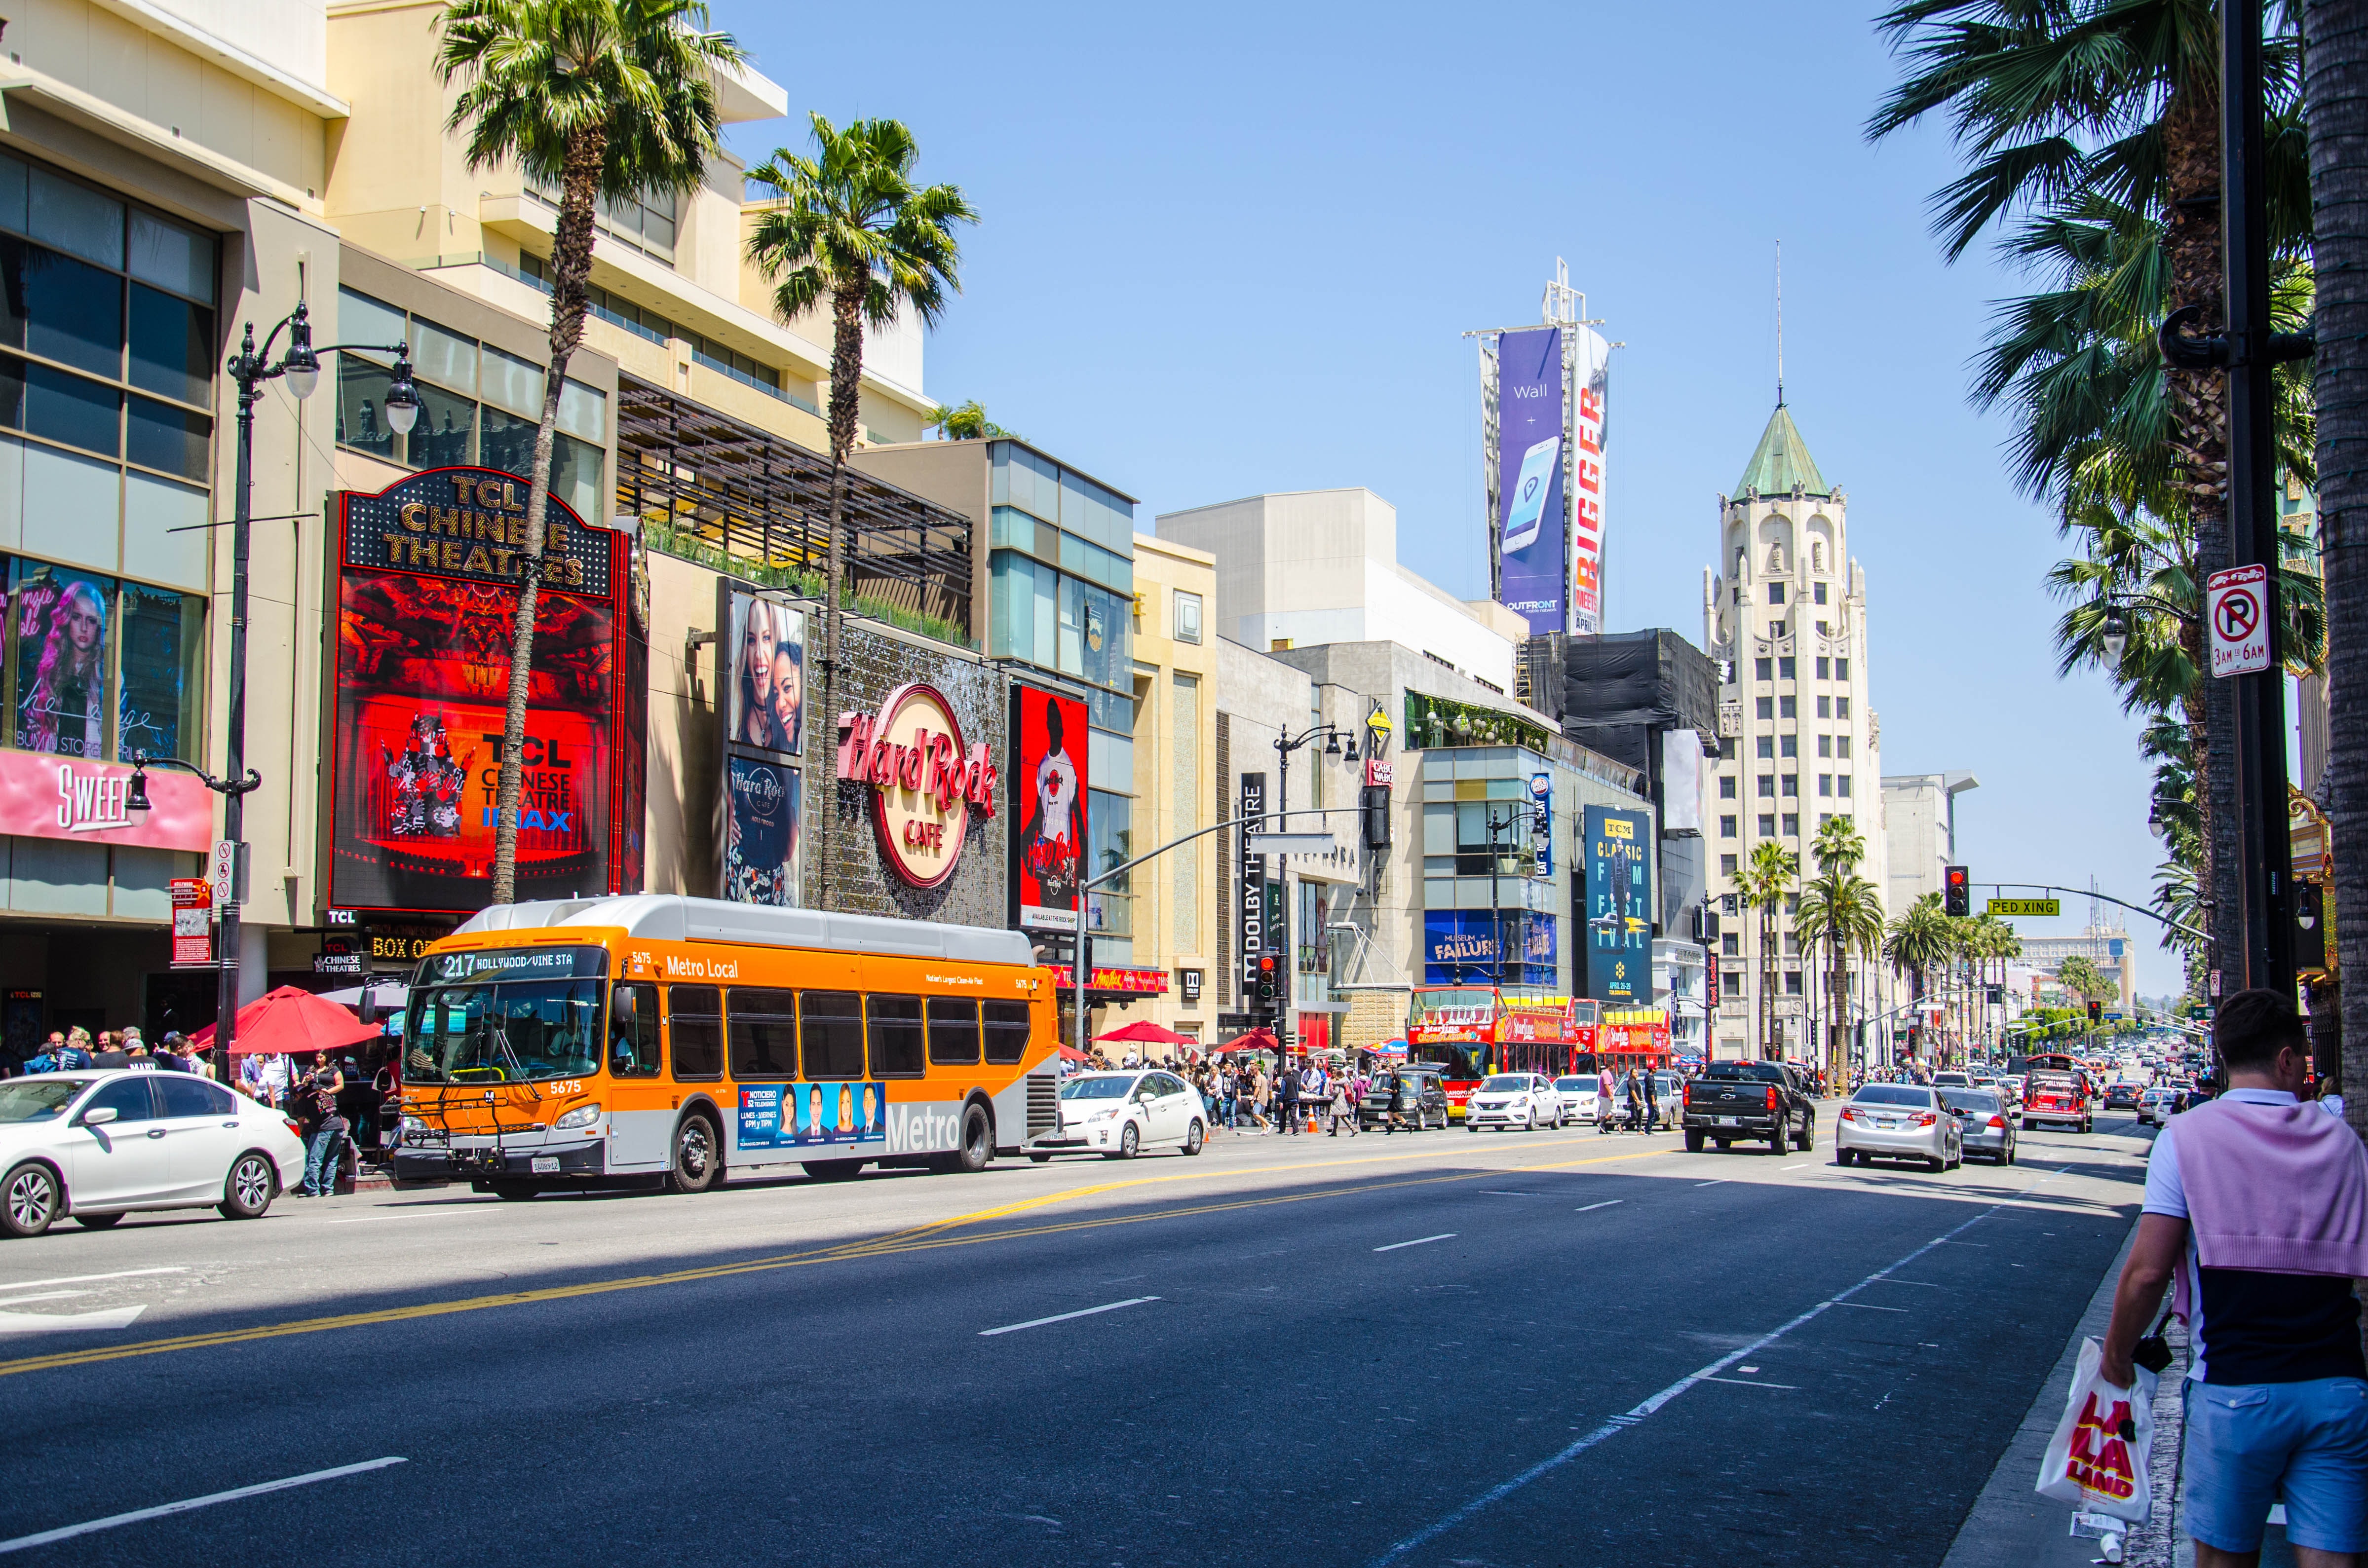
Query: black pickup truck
{"points": [[1750, 1099]]}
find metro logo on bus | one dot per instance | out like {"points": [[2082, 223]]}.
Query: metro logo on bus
{"points": [[925, 782]]}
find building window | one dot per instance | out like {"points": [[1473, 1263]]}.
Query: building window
{"points": [[1734, 986], [1841, 707], [1727, 827], [1729, 903], [1792, 943], [646, 225], [1841, 783], [1785, 708], [1789, 744], [1791, 783], [1775, 593], [1820, 592], [1759, 667], [1825, 783], [1731, 945], [1727, 865], [1766, 745], [1766, 826], [1787, 669], [1765, 707], [1726, 786], [1767, 786], [1825, 706], [1824, 745], [1842, 669], [1841, 745], [1825, 667], [1792, 983], [1187, 617]]}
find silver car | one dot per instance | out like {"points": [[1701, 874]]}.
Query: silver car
{"points": [[1987, 1130], [1898, 1121]]}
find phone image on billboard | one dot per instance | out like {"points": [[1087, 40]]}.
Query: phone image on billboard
{"points": [[1528, 506]]}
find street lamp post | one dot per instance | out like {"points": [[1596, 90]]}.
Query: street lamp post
{"points": [[1339, 743], [251, 369]]}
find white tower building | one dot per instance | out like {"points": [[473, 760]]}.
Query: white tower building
{"points": [[1785, 610]]}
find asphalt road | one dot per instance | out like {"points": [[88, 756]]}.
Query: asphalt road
{"points": [[1442, 1349]]}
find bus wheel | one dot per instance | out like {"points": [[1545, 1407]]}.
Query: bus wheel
{"points": [[694, 1156], [977, 1146]]}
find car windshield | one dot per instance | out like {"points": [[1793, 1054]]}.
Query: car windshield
{"points": [[1505, 1083], [1575, 1085], [1111, 1087], [1893, 1094], [38, 1097]]}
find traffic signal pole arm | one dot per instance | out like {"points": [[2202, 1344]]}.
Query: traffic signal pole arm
{"points": [[2088, 892]]}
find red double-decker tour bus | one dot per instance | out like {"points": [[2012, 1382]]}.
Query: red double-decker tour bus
{"points": [[1470, 1031]]}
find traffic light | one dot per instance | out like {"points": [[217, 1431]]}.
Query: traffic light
{"points": [[1956, 891], [2096, 1011], [1266, 981]]}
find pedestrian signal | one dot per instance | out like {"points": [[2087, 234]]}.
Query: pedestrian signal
{"points": [[1956, 891]]}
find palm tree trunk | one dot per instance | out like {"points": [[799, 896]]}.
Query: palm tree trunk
{"points": [[2335, 98], [571, 269], [846, 378]]}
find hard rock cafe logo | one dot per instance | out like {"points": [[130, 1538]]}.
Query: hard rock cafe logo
{"points": [[925, 784]]}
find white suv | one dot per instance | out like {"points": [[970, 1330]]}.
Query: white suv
{"points": [[1506, 1100]]}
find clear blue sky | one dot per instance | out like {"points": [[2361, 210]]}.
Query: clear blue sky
{"points": [[1230, 249]]}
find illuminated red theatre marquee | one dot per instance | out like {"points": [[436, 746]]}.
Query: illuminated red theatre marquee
{"points": [[925, 783]]}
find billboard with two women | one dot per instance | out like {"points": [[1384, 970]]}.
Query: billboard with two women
{"points": [[763, 705]]}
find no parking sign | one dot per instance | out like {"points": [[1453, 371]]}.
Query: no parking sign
{"points": [[2236, 607]]}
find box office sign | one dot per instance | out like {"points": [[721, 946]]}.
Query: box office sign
{"points": [[57, 797], [426, 576]]}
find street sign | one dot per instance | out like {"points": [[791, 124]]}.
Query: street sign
{"points": [[1290, 843], [2236, 608], [2006, 908]]}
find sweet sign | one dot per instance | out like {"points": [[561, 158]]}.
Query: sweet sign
{"points": [[925, 783], [48, 796]]}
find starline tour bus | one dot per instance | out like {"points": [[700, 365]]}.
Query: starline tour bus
{"points": [[1470, 1031], [654, 1039]]}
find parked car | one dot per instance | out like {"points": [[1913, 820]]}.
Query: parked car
{"points": [[1898, 1121], [1580, 1098], [96, 1146], [1118, 1115], [1510, 1100], [1953, 1080], [2122, 1095], [1983, 1124], [2156, 1107], [1735, 1100], [1418, 1092]]}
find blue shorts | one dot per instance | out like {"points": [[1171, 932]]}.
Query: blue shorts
{"points": [[2250, 1445]]}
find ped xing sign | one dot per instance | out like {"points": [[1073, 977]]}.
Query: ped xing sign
{"points": [[2236, 607], [2008, 907]]}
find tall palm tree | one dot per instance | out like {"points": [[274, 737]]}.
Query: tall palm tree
{"points": [[853, 230], [1767, 882], [2057, 101], [1843, 911], [1919, 940], [608, 100]]}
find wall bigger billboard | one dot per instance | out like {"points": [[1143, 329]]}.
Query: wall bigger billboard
{"points": [[424, 579], [1048, 809], [764, 726], [1531, 522], [1591, 374], [1617, 907]]}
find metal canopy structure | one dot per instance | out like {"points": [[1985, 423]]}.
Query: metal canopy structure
{"points": [[766, 501]]}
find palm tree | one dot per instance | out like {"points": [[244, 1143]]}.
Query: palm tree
{"points": [[968, 422], [1843, 911], [1919, 940], [609, 100], [853, 230], [1766, 882]]}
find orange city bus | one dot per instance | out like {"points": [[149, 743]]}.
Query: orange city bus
{"points": [[656, 1039]]}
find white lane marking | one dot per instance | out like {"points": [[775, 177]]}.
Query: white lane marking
{"points": [[1419, 1240], [68, 1532], [86, 1279], [1591, 1207], [61, 1322], [1613, 1426], [1799, 1168], [44, 1296], [1869, 1306], [1064, 1317], [1720, 1182], [1751, 1383], [1919, 1284], [1493, 1192]]}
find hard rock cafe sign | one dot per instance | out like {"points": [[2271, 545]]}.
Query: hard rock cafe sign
{"points": [[925, 784]]}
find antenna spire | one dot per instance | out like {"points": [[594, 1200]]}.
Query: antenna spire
{"points": [[1780, 323]]}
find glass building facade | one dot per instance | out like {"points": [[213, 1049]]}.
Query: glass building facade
{"points": [[1061, 590]]}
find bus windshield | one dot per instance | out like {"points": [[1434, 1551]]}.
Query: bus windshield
{"points": [[1466, 1006], [511, 1016], [1455, 1062]]}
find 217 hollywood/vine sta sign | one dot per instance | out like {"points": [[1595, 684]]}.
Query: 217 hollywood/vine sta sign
{"points": [[925, 782]]}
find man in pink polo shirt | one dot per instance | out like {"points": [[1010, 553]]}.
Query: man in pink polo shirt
{"points": [[2258, 1204]]}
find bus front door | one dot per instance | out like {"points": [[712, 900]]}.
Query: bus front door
{"points": [[640, 1109]]}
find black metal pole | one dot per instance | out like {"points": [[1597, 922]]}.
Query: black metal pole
{"points": [[244, 369], [2263, 859]]}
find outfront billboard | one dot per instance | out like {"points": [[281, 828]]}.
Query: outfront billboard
{"points": [[763, 702], [1618, 910], [425, 581], [1532, 523], [1591, 376], [1048, 809]]}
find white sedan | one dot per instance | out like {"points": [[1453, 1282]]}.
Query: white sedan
{"points": [[1506, 1100], [1118, 1115], [1582, 1097], [95, 1147]]}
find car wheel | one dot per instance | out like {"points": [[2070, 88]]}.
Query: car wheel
{"points": [[98, 1221], [2026, 1124], [1195, 1139], [1776, 1140], [1130, 1142], [977, 1146], [1694, 1143], [29, 1200], [1935, 1162], [1808, 1135], [1844, 1157], [246, 1191], [696, 1151]]}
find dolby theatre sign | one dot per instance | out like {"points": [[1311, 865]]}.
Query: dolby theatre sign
{"points": [[925, 784]]}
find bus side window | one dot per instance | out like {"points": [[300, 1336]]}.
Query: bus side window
{"points": [[953, 1031], [1006, 1033], [762, 1026], [830, 1027], [695, 1028], [895, 1035], [633, 1032]]}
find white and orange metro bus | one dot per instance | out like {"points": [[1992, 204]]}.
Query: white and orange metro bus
{"points": [[655, 1039]]}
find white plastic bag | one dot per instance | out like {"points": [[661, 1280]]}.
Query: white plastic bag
{"points": [[2098, 1458]]}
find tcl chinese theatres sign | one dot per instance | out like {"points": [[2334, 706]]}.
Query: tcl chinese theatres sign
{"points": [[925, 784], [46, 796]]}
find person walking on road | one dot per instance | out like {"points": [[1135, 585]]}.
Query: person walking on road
{"points": [[2257, 1205], [1286, 1094], [1635, 1098], [1344, 1105], [1652, 1101]]}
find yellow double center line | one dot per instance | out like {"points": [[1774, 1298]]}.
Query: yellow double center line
{"points": [[918, 1238]]}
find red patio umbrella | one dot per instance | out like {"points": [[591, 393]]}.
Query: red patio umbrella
{"points": [[1071, 1053], [1143, 1031], [290, 1022], [1256, 1040]]}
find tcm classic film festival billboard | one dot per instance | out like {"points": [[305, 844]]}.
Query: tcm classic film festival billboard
{"points": [[425, 585], [1545, 473]]}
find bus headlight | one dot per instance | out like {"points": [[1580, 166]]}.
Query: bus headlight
{"points": [[582, 1116]]}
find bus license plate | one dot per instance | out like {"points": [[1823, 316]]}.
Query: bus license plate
{"points": [[546, 1165]]}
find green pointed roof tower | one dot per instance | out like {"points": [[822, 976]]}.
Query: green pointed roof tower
{"points": [[1781, 461]]}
